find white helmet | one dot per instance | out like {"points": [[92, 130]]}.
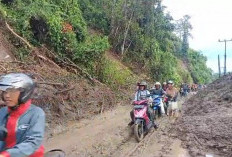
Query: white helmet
{"points": [[171, 82], [157, 84]]}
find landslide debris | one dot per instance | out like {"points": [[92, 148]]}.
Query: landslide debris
{"points": [[206, 124], [63, 96]]}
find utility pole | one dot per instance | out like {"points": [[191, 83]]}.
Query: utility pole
{"points": [[225, 53], [219, 66]]}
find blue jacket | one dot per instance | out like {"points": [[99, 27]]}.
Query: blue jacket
{"points": [[25, 126]]}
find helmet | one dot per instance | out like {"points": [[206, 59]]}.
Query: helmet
{"points": [[170, 82], [157, 83], [164, 83], [18, 81], [143, 83]]}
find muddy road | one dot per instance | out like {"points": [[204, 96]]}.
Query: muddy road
{"points": [[109, 135]]}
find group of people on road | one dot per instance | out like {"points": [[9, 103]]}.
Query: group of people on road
{"points": [[166, 91], [185, 88], [22, 124]]}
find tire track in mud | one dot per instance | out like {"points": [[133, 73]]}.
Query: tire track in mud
{"points": [[139, 149], [161, 142], [109, 135]]}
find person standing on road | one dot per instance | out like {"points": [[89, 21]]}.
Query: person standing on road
{"points": [[22, 124], [172, 94]]}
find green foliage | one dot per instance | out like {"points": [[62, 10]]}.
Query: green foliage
{"points": [[93, 12], [116, 74], [91, 52], [2, 13], [199, 71], [140, 31], [183, 28], [67, 29], [22, 53]]}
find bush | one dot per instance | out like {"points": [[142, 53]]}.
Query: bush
{"points": [[116, 74], [60, 25]]}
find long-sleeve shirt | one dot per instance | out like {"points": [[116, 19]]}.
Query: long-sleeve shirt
{"points": [[141, 95], [25, 127], [159, 92]]}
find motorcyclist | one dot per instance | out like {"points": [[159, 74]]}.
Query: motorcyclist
{"points": [[23, 123], [182, 89], [172, 94], [164, 87], [157, 90], [186, 89], [141, 94], [142, 91]]}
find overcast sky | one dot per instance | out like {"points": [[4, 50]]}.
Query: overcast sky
{"points": [[211, 20]]}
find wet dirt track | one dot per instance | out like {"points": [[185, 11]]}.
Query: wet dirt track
{"points": [[109, 135]]}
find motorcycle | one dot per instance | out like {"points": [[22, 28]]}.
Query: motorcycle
{"points": [[182, 92], [142, 123], [156, 106]]}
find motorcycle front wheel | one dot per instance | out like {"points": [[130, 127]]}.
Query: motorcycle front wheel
{"points": [[155, 114], [55, 153], [139, 131]]}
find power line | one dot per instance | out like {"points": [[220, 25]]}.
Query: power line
{"points": [[225, 53]]}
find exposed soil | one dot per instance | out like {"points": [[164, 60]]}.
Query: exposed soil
{"points": [[84, 119], [5, 54], [63, 95], [205, 126], [109, 135]]}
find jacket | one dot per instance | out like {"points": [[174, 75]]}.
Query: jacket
{"points": [[25, 127], [141, 94], [159, 92]]}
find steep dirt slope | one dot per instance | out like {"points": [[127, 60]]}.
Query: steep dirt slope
{"points": [[64, 95], [5, 54], [206, 124]]}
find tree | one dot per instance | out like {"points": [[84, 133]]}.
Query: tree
{"points": [[183, 28]]}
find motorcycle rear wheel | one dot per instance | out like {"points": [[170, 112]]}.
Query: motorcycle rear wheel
{"points": [[139, 132]]}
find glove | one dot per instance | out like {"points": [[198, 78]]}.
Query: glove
{"points": [[3, 133]]}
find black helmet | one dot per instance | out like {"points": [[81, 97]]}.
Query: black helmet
{"points": [[18, 81]]}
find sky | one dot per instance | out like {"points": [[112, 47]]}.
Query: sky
{"points": [[211, 21]]}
